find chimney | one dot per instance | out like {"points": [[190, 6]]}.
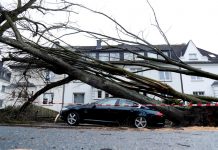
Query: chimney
{"points": [[98, 46]]}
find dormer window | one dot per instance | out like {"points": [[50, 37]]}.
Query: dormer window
{"points": [[92, 55], [193, 56], [104, 56], [212, 55]]}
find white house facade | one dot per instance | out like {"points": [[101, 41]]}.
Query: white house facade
{"points": [[5, 76], [78, 92]]}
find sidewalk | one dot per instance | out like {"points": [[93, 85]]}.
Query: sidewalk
{"points": [[59, 125]]}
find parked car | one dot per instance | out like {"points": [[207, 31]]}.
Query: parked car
{"points": [[113, 110]]}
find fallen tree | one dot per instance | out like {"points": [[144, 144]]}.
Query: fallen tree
{"points": [[16, 26]]}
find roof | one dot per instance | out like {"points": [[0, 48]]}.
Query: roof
{"points": [[129, 47], [214, 83], [178, 50]]}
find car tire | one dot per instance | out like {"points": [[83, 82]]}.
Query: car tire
{"points": [[140, 122], [73, 118]]}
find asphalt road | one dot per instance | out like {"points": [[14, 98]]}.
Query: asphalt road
{"points": [[105, 138]]}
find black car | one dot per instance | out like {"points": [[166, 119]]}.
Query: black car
{"points": [[113, 110]]}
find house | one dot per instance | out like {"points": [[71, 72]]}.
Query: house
{"points": [[5, 77], [203, 60], [78, 92], [23, 86]]}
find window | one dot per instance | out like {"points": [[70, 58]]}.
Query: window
{"points": [[1, 103], [165, 76], [128, 56], [212, 55], [3, 88], [92, 55], [114, 56], [47, 76], [136, 57], [104, 56], [106, 94], [79, 98], [99, 94], [76, 81], [196, 78], [200, 93], [152, 55], [48, 98], [193, 56], [137, 71], [161, 57]]}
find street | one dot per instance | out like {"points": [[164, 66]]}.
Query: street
{"points": [[106, 138]]}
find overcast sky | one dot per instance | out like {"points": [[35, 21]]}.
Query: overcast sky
{"points": [[181, 20]]}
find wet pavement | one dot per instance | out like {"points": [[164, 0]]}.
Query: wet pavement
{"points": [[91, 137]]}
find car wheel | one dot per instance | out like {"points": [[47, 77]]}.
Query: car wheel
{"points": [[73, 118], [140, 122]]}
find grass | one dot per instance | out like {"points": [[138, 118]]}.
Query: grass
{"points": [[32, 114]]}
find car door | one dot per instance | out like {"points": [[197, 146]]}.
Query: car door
{"points": [[101, 110], [106, 109], [126, 109]]}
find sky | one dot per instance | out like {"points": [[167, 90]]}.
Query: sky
{"points": [[180, 20]]}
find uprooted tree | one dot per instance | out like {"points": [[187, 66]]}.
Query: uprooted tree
{"points": [[30, 40]]}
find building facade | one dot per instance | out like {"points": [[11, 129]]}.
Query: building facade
{"points": [[5, 77], [77, 92]]}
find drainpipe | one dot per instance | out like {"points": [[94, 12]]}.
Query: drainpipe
{"points": [[181, 81], [62, 104]]}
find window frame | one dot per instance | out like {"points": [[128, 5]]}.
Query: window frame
{"points": [[51, 101], [129, 58], [3, 88], [105, 57], [164, 76], [116, 56], [136, 58], [99, 94], [152, 55], [199, 93], [92, 55], [193, 56], [196, 78]]}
